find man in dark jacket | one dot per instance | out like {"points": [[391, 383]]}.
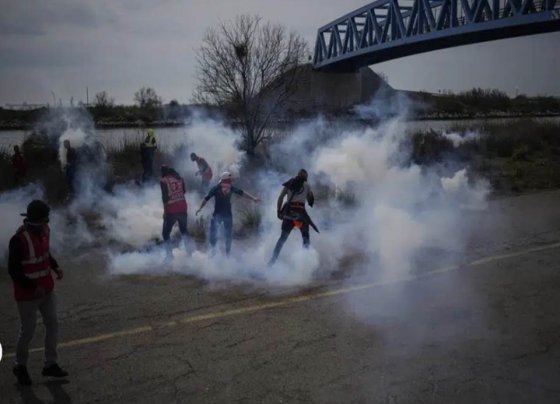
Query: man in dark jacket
{"points": [[222, 208], [30, 265]]}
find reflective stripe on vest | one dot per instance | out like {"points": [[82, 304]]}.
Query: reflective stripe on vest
{"points": [[30, 247], [35, 267], [39, 274], [35, 262], [33, 259]]}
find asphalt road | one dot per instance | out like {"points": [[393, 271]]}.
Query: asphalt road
{"points": [[485, 330]]}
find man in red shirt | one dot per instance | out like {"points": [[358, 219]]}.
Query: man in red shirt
{"points": [[174, 206], [30, 265]]}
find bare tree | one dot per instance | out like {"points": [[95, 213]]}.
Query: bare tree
{"points": [[149, 102], [251, 69], [102, 100], [147, 97]]}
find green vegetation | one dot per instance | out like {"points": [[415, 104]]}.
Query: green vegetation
{"points": [[514, 156], [483, 102]]}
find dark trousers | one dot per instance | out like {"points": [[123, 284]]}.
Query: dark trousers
{"points": [[148, 166], [228, 228], [28, 309], [287, 226], [168, 222], [71, 178]]}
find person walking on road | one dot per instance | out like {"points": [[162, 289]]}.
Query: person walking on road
{"points": [[293, 213], [30, 265], [147, 154], [222, 208], [174, 206], [204, 171]]}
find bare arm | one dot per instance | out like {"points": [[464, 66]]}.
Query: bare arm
{"points": [[247, 195]]}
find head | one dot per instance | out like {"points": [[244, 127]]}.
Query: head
{"points": [[37, 213], [302, 174], [66, 144], [225, 177], [150, 132], [165, 170], [225, 182], [16, 149], [193, 156]]}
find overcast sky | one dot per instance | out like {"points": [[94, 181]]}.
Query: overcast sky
{"points": [[64, 46]]}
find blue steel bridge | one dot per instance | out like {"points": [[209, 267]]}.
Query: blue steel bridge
{"points": [[390, 29]]}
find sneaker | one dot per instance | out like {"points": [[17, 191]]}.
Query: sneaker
{"points": [[22, 376], [54, 371]]}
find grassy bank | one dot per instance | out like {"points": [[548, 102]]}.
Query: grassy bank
{"points": [[514, 157]]}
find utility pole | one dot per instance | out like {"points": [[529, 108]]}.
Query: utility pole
{"points": [[87, 97]]}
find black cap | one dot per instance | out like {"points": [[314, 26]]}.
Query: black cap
{"points": [[37, 211]]}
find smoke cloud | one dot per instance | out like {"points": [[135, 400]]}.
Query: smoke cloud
{"points": [[376, 211]]}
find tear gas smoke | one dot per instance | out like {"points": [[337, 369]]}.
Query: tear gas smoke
{"points": [[398, 210], [371, 203], [213, 141], [457, 139]]}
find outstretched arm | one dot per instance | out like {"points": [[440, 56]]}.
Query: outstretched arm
{"points": [[201, 206], [247, 195]]}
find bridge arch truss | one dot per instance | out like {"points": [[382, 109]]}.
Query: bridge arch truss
{"points": [[389, 29]]}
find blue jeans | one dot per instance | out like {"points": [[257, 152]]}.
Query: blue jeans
{"points": [[228, 227]]}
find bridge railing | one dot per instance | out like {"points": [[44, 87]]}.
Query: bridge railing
{"points": [[384, 21]]}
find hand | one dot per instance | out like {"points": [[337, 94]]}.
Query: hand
{"points": [[39, 292], [196, 214], [257, 200], [279, 214], [59, 273]]}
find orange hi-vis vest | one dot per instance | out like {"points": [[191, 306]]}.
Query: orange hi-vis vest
{"points": [[36, 263], [176, 202]]}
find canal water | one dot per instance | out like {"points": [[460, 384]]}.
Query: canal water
{"points": [[171, 137]]}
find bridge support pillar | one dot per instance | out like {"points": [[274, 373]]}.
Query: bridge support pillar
{"points": [[335, 90]]}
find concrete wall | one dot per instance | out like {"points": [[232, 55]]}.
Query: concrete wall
{"points": [[330, 91]]}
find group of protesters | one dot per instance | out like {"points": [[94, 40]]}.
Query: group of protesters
{"points": [[31, 264]]}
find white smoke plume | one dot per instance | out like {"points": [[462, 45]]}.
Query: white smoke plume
{"points": [[69, 230], [374, 209], [395, 210], [457, 139], [215, 142]]}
